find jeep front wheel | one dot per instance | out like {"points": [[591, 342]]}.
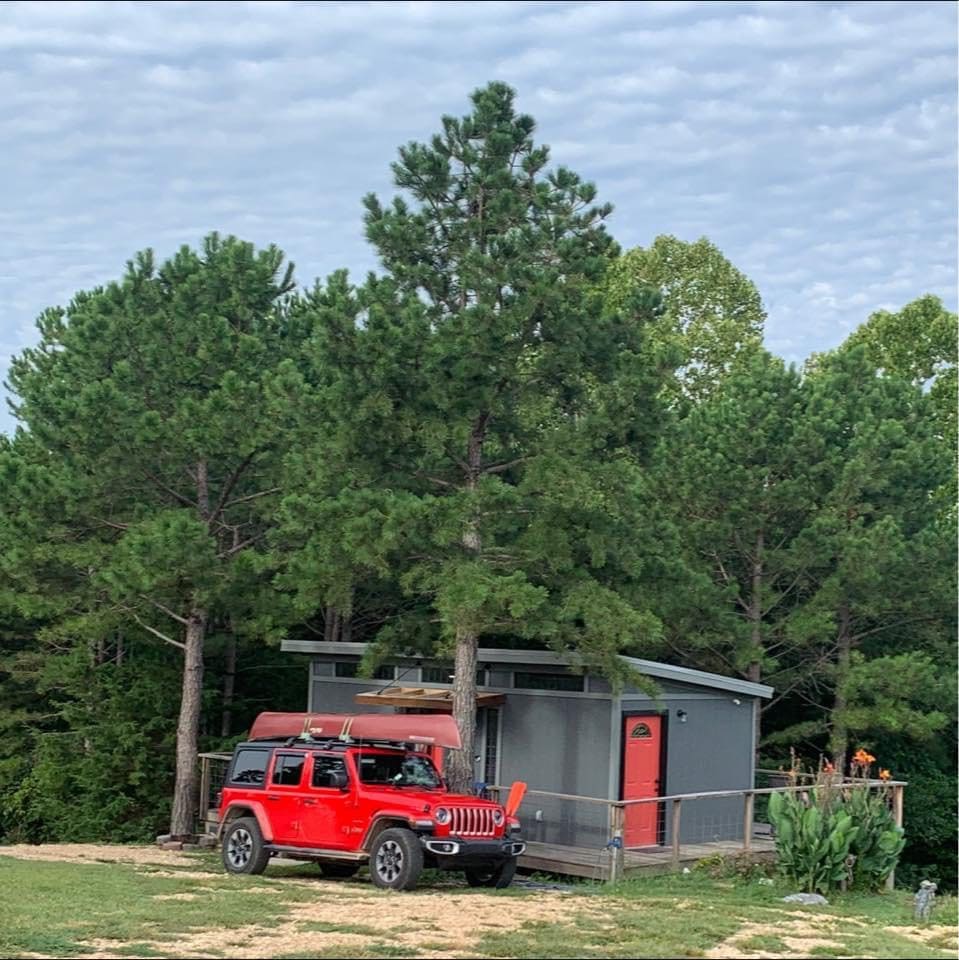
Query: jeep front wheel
{"points": [[243, 848], [396, 860], [499, 877]]}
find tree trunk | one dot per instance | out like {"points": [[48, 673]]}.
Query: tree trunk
{"points": [[839, 738], [755, 614], [460, 768], [184, 790], [461, 775], [229, 680]]}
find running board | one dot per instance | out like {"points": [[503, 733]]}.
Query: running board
{"points": [[314, 853]]}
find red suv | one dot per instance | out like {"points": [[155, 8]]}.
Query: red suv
{"points": [[345, 801]]}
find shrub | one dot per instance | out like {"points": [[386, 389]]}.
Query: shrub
{"points": [[837, 833]]}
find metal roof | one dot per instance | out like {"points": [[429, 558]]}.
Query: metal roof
{"points": [[651, 668]]}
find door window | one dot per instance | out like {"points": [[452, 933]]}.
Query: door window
{"points": [[327, 771], [288, 769]]}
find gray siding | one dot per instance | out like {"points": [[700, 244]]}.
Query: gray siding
{"points": [[559, 744]]}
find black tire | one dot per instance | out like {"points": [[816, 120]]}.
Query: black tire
{"points": [[243, 850], [499, 877], [339, 871], [396, 859]]}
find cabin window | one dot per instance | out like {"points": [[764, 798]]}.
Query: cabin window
{"points": [[641, 731], [548, 681], [492, 744], [445, 675], [350, 669], [288, 769]]}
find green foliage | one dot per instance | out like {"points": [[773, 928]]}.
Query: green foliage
{"points": [[878, 843], [712, 316], [813, 840]]}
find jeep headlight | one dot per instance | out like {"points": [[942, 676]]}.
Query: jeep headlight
{"points": [[498, 817], [441, 815]]}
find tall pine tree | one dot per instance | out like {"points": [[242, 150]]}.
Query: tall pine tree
{"points": [[157, 412], [493, 415]]}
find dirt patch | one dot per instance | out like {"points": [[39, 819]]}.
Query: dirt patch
{"points": [[386, 918], [925, 935], [801, 935], [98, 853]]}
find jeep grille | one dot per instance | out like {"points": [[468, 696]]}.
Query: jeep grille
{"points": [[472, 822]]}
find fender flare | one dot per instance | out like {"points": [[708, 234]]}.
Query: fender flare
{"points": [[401, 815], [258, 811]]}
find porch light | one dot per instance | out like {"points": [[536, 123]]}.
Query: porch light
{"points": [[681, 716]]}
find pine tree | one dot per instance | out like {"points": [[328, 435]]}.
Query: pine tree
{"points": [[493, 415], [156, 411], [734, 484], [876, 552]]}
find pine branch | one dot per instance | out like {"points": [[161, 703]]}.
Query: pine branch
{"points": [[501, 467], [156, 633], [252, 496], [166, 610], [186, 501], [230, 484]]}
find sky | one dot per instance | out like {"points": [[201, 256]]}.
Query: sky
{"points": [[814, 143]]}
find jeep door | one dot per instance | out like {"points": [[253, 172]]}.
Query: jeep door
{"points": [[283, 794], [328, 805]]}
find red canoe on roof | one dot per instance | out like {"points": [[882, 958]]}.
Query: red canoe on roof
{"points": [[436, 729]]}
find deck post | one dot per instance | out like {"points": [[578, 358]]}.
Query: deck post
{"points": [[749, 800], [204, 793], [897, 801], [677, 811], [616, 821]]}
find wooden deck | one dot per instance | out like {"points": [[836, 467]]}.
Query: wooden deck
{"points": [[595, 863]]}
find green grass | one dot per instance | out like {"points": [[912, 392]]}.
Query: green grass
{"points": [[764, 943], [59, 909]]}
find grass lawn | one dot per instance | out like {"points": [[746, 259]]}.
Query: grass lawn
{"points": [[192, 909]]}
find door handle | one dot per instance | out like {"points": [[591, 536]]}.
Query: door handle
{"points": [[309, 803], [274, 799]]}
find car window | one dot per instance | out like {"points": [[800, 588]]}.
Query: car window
{"points": [[249, 766], [288, 769], [402, 770], [324, 769]]}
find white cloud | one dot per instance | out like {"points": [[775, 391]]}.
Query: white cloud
{"points": [[815, 143]]}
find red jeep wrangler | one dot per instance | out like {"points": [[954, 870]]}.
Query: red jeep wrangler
{"points": [[346, 791]]}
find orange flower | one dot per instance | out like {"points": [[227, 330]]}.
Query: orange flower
{"points": [[860, 756], [884, 774]]}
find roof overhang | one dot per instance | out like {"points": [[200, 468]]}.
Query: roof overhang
{"points": [[650, 668]]}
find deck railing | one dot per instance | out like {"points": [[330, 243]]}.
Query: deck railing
{"points": [[681, 835]]}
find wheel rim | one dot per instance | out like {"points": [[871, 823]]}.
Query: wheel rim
{"points": [[240, 848], [389, 861]]}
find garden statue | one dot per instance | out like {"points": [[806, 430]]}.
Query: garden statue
{"points": [[925, 897]]}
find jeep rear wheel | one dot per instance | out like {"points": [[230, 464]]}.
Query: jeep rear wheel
{"points": [[339, 871], [243, 848], [396, 860], [499, 877]]}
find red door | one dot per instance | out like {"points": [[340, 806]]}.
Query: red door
{"points": [[641, 776]]}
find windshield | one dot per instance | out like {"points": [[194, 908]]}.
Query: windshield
{"points": [[398, 769]]}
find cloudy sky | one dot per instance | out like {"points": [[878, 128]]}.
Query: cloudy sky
{"points": [[814, 143]]}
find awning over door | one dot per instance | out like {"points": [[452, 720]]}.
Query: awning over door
{"points": [[439, 699]]}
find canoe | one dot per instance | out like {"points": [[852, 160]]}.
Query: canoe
{"points": [[434, 729]]}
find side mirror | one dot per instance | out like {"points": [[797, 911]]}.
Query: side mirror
{"points": [[339, 779]]}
